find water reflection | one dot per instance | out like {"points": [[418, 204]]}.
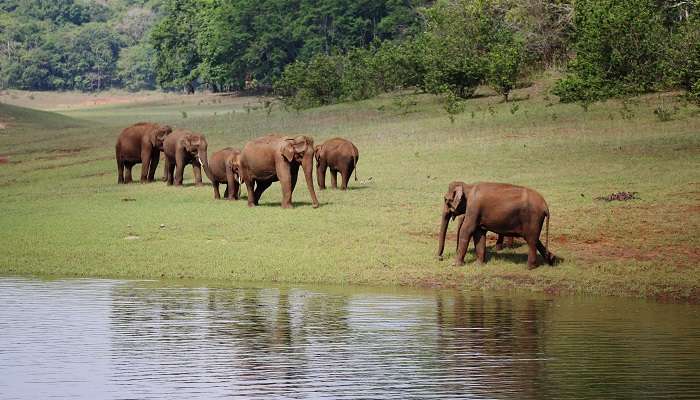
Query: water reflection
{"points": [[111, 339]]}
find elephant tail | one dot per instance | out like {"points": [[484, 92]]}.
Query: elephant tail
{"points": [[546, 238], [355, 157]]}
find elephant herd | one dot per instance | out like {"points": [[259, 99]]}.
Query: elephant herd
{"points": [[508, 210]]}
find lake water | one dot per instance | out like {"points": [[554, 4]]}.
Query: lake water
{"points": [[99, 339]]}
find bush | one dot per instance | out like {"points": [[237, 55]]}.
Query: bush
{"points": [[504, 66], [621, 49], [313, 83], [686, 58]]}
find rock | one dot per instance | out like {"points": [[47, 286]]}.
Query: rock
{"points": [[162, 226]]}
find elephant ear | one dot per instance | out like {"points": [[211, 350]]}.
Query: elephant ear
{"points": [[288, 151], [164, 131], [295, 148], [187, 142], [317, 152], [457, 197]]}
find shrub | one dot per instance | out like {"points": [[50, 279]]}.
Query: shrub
{"points": [[621, 49]]}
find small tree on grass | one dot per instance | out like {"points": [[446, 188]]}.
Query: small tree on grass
{"points": [[504, 63]]}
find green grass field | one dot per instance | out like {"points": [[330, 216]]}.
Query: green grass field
{"points": [[63, 214]]}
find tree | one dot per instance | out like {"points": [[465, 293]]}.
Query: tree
{"points": [[504, 66], [622, 48], [176, 52], [136, 67]]}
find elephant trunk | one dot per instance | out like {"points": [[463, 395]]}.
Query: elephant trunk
{"points": [[308, 166], [205, 163], [446, 215]]}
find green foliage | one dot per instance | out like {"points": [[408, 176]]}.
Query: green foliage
{"points": [[686, 58], [453, 106], [621, 49], [66, 44], [136, 67], [177, 56], [224, 44], [313, 83], [504, 66]]}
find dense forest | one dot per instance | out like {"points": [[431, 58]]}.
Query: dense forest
{"points": [[315, 52]]}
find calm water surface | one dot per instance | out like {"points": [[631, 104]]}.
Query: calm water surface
{"points": [[145, 340]]}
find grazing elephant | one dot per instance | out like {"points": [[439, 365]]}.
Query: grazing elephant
{"points": [[340, 155], [507, 210], [276, 158], [140, 143], [224, 170], [184, 147], [455, 206]]}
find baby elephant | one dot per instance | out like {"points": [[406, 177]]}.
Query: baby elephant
{"points": [[507, 210], [454, 206], [340, 155], [224, 170], [183, 147]]}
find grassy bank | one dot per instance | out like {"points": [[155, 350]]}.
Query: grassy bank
{"points": [[63, 214]]}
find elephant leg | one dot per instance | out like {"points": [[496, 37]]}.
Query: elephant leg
{"points": [[499, 243], [232, 186], [217, 194], [508, 241], [260, 188], [294, 171], [480, 245], [170, 175], [284, 174], [179, 169], [548, 257], [197, 169], [145, 163], [251, 193], [334, 178], [460, 221], [463, 238], [321, 174], [166, 166], [155, 159], [127, 178], [120, 171], [345, 176], [532, 252], [236, 190]]}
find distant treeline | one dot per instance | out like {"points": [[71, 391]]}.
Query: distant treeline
{"points": [[315, 52]]}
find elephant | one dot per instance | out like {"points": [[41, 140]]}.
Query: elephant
{"points": [[455, 206], [274, 158], [507, 210], [184, 147], [340, 155], [224, 167], [140, 143]]}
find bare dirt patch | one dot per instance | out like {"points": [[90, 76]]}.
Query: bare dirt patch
{"points": [[620, 196]]}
